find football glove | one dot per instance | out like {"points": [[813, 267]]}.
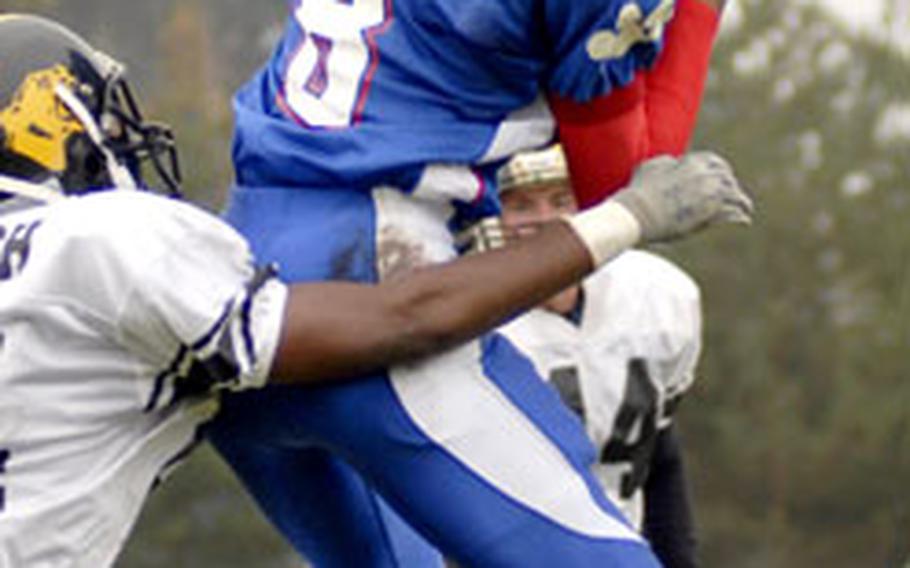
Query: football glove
{"points": [[672, 197]]}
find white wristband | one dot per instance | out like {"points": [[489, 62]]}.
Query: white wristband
{"points": [[606, 230]]}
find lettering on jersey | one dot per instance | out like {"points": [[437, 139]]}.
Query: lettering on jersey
{"points": [[15, 247], [632, 27], [4, 457], [329, 74], [634, 429]]}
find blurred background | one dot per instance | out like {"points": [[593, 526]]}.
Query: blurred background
{"points": [[798, 431]]}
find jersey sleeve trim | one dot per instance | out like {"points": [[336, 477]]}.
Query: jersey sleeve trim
{"points": [[235, 353]]}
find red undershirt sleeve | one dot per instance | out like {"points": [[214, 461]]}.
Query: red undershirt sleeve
{"points": [[606, 138]]}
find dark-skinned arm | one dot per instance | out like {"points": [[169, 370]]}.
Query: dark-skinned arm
{"points": [[339, 330]]}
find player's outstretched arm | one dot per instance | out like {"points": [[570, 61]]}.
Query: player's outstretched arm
{"points": [[338, 330], [346, 329], [605, 139]]}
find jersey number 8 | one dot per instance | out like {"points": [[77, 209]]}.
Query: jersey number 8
{"points": [[329, 75]]}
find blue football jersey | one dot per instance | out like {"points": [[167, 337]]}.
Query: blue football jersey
{"points": [[429, 96], [368, 121]]}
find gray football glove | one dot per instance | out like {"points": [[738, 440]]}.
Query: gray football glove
{"points": [[672, 197]]}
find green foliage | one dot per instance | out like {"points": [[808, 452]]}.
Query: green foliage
{"points": [[202, 517], [800, 428], [194, 101], [35, 6]]}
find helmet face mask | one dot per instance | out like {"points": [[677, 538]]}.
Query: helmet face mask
{"points": [[534, 190], [68, 119], [134, 141]]}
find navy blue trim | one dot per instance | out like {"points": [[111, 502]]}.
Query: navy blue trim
{"points": [[158, 389], [222, 367], [262, 276], [213, 331]]}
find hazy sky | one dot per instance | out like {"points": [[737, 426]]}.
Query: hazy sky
{"points": [[862, 12]]}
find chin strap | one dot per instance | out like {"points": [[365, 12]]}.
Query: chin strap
{"points": [[120, 175], [29, 190]]}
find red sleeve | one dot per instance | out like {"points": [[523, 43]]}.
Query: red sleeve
{"points": [[605, 139]]}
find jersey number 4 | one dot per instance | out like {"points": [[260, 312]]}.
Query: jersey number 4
{"points": [[329, 76], [4, 457], [635, 429]]}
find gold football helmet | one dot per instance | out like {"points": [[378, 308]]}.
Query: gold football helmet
{"points": [[68, 119]]}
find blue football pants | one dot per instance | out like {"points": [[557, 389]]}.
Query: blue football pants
{"points": [[470, 448]]}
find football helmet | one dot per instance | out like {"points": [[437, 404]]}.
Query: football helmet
{"points": [[529, 169], [68, 119], [523, 171]]}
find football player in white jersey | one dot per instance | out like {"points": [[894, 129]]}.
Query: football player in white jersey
{"points": [[122, 312], [621, 348]]}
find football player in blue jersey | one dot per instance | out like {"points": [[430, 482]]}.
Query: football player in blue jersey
{"points": [[369, 138], [123, 314]]}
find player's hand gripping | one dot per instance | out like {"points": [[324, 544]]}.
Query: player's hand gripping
{"points": [[668, 198], [672, 197]]}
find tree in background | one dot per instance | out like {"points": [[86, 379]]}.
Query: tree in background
{"points": [[800, 430], [195, 100], [36, 6]]}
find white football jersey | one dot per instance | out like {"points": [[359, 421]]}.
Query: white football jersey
{"points": [[121, 313], [624, 366]]}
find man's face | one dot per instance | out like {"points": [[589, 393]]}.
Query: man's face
{"points": [[525, 209]]}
